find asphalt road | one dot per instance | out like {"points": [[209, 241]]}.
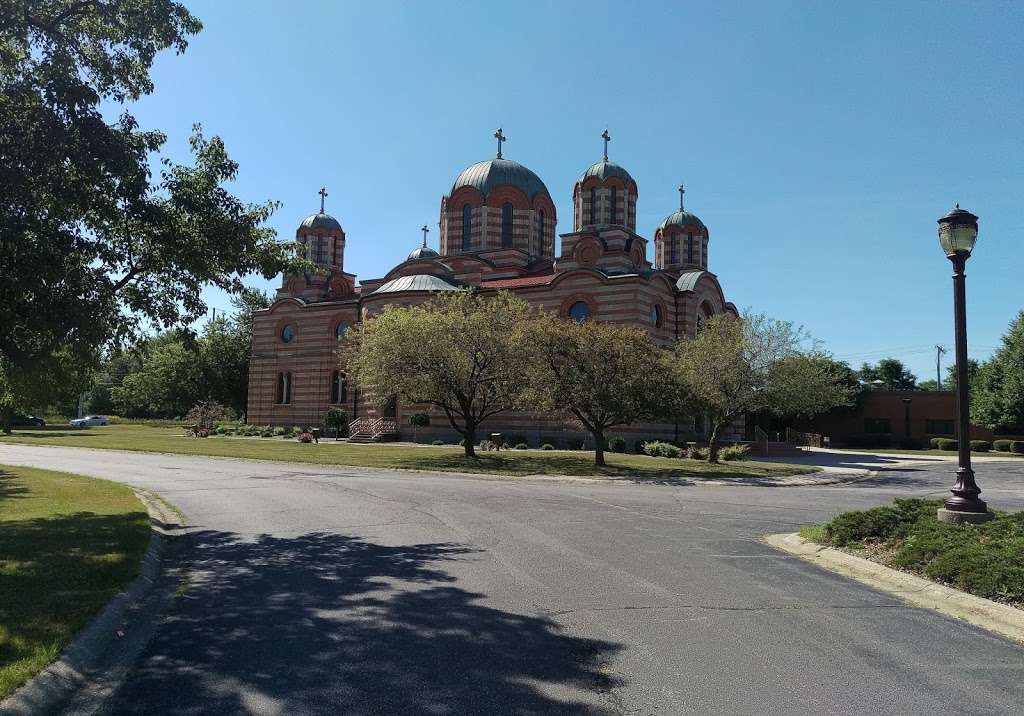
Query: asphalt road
{"points": [[324, 591]]}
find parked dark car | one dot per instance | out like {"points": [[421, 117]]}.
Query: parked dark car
{"points": [[22, 421]]}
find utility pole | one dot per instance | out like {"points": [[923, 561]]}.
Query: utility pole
{"points": [[939, 351]]}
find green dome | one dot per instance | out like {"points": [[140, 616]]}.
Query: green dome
{"points": [[487, 175], [320, 221], [422, 252], [681, 218], [605, 169]]}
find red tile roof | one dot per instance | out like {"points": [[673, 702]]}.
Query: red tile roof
{"points": [[520, 282]]}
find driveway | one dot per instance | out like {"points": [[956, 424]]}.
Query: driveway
{"points": [[314, 590]]}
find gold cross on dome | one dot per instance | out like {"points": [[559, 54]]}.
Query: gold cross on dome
{"points": [[500, 136]]}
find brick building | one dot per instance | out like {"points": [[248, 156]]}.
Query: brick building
{"points": [[497, 232]]}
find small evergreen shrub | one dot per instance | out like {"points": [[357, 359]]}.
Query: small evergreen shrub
{"points": [[550, 440], [617, 444], [701, 453], [945, 444], [488, 446], [298, 429], [981, 446], [278, 431], [1002, 445], [734, 452], [656, 448], [522, 446], [547, 446], [438, 442], [1017, 447], [266, 433]]}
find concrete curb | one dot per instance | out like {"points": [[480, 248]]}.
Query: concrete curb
{"points": [[54, 686], [917, 591]]}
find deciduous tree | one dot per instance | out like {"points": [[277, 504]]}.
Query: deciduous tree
{"points": [[736, 366], [459, 352], [600, 375]]}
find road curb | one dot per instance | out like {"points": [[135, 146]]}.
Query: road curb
{"points": [[54, 686], [917, 591]]}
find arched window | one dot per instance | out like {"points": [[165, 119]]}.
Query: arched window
{"points": [[656, 315], [467, 226], [287, 334], [339, 388], [673, 254], [506, 225], [689, 248], [593, 206], [284, 388], [700, 323], [320, 250], [615, 205], [341, 330], [540, 233], [579, 311]]}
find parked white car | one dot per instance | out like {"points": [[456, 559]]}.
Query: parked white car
{"points": [[89, 421]]}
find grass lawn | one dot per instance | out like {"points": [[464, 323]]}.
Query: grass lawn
{"points": [[68, 544], [442, 459], [986, 560], [944, 453]]}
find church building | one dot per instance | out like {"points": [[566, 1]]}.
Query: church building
{"points": [[497, 233]]}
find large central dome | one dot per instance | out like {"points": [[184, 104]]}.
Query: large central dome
{"points": [[485, 176]]}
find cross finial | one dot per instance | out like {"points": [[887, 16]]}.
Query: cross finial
{"points": [[424, 229], [500, 136], [607, 138], [323, 195], [682, 190]]}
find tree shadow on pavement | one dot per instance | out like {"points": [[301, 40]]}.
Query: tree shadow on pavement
{"points": [[327, 623]]}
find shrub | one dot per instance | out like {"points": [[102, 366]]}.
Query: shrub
{"points": [[488, 446], [298, 429], [910, 444], [617, 444], [267, 433], [251, 431], [286, 431], [438, 442], [980, 446], [1002, 445], [734, 452], [1017, 447], [336, 420], [934, 442], [205, 414], [279, 431], [547, 446], [699, 453], [522, 446], [945, 443], [550, 440], [656, 448], [305, 437]]}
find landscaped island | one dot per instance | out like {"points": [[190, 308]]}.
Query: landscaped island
{"points": [[68, 544], [986, 559], [144, 438]]}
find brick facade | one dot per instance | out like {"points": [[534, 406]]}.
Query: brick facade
{"points": [[603, 264]]}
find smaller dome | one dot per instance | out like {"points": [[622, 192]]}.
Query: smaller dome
{"points": [[681, 218], [419, 282], [605, 169], [422, 252], [320, 221]]}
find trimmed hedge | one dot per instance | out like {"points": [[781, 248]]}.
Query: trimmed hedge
{"points": [[617, 444], [1002, 445], [1017, 447], [656, 448], [945, 443], [547, 446], [980, 446]]}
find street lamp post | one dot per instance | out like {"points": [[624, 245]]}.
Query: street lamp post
{"points": [[958, 230]]}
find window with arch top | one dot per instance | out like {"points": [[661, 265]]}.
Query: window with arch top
{"points": [[339, 388], [579, 311], [593, 206], [656, 315], [467, 226], [615, 205], [341, 330], [284, 388], [506, 225], [689, 248], [540, 233]]}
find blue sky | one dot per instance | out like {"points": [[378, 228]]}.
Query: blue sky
{"points": [[818, 141]]}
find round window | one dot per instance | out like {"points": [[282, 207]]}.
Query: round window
{"points": [[341, 330], [579, 311], [287, 334], [656, 315]]}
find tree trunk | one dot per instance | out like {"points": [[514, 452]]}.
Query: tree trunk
{"points": [[713, 443], [469, 441], [6, 418], [598, 448]]}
